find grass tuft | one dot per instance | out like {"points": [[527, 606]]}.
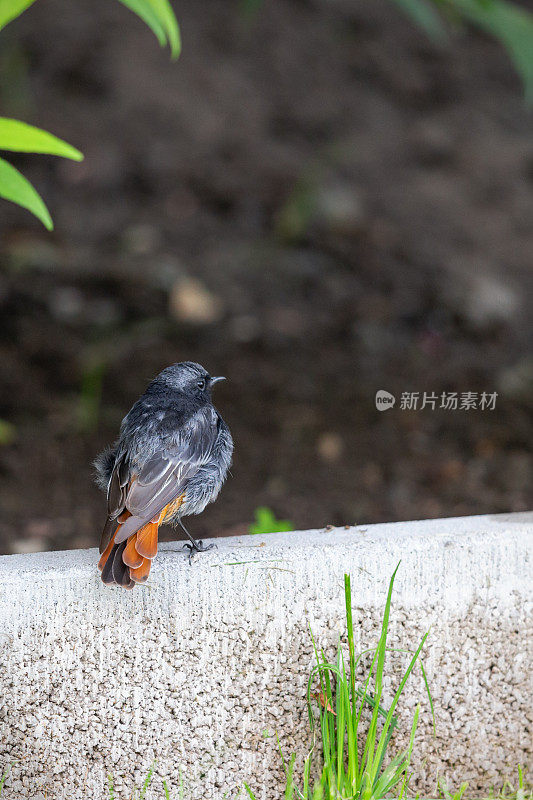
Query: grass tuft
{"points": [[354, 765]]}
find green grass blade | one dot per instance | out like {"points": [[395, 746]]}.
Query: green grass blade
{"points": [[390, 776], [343, 711], [414, 726], [16, 188], [456, 795], [412, 737], [289, 787], [351, 710], [4, 776], [388, 730], [381, 652], [318, 792], [382, 740], [23, 138], [365, 698], [329, 719], [428, 691], [251, 795], [11, 9], [283, 764], [365, 792], [462, 790], [424, 676], [351, 730], [307, 776], [147, 781], [349, 626]]}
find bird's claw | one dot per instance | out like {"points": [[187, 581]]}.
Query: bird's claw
{"points": [[197, 547]]}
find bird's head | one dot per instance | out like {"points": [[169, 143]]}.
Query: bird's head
{"points": [[189, 378]]}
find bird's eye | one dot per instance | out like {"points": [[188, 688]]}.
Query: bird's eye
{"points": [[201, 384]]}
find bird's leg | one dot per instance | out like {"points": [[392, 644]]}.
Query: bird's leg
{"points": [[195, 545]]}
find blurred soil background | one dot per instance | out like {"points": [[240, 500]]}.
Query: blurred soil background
{"points": [[316, 201]]}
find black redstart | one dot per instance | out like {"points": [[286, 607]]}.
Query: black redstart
{"points": [[171, 459]]}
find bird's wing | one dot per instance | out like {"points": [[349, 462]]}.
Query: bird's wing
{"points": [[163, 477], [116, 497], [118, 486]]}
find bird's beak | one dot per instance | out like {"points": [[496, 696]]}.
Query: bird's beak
{"points": [[216, 380]]}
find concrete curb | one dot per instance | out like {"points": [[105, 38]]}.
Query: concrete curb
{"points": [[200, 667]]}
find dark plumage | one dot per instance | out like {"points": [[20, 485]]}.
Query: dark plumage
{"points": [[171, 459]]}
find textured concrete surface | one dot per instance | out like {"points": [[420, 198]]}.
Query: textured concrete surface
{"points": [[202, 666]]}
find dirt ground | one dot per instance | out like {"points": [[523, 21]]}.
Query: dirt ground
{"points": [[315, 201]]}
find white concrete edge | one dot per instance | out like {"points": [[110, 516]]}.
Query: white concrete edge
{"points": [[448, 555], [461, 528]]}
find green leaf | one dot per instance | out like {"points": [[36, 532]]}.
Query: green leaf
{"points": [[145, 12], [160, 18], [166, 15], [23, 138], [10, 9], [15, 187], [425, 17], [512, 25], [266, 522]]}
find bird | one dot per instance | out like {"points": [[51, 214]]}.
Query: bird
{"points": [[170, 460]]}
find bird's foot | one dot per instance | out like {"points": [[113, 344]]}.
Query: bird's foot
{"points": [[197, 546]]}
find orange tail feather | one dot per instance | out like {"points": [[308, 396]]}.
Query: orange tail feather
{"points": [[130, 556], [146, 544], [140, 575]]}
